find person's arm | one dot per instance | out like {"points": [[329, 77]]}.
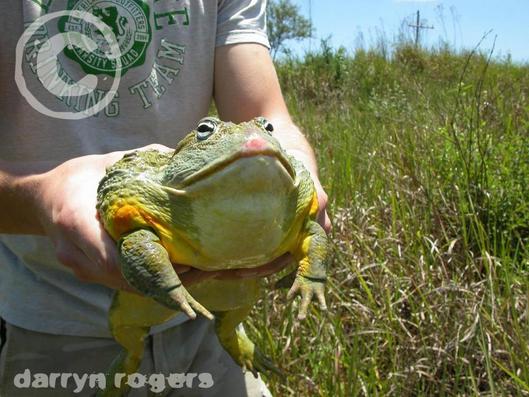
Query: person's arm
{"points": [[18, 185], [246, 86], [59, 201]]}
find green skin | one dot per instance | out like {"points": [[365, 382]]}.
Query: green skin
{"points": [[228, 197]]}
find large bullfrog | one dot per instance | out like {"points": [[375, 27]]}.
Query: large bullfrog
{"points": [[228, 197]]}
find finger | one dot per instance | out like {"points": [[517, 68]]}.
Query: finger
{"points": [[156, 146], [276, 265], [104, 257], [262, 271], [102, 262], [72, 257], [327, 225], [324, 220], [113, 157], [84, 268], [181, 268], [194, 276], [84, 229]]}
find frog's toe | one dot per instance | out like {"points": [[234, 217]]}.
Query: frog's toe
{"points": [[262, 363], [320, 294], [307, 288], [188, 304], [258, 362]]}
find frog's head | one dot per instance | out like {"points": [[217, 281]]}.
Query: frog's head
{"points": [[221, 151]]}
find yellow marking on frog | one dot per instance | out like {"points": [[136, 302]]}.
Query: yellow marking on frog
{"points": [[302, 253], [125, 218], [179, 249], [179, 246], [314, 205], [131, 215]]}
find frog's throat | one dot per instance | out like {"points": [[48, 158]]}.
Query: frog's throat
{"points": [[217, 165]]}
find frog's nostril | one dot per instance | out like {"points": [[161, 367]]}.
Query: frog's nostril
{"points": [[255, 144]]}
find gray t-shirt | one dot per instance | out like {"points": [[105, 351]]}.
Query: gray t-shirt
{"points": [[167, 52]]}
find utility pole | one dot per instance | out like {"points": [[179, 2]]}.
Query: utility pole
{"points": [[418, 26]]}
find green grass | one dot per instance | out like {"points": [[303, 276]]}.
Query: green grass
{"points": [[425, 157]]}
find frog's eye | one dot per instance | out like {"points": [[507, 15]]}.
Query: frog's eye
{"points": [[205, 128], [266, 124]]}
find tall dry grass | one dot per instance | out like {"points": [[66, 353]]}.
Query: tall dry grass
{"points": [[425, 156]]}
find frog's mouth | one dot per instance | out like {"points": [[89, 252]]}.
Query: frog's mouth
{"points": [[252, 148]]}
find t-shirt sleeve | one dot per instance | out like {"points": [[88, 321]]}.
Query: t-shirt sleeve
{"points": [[241, 21]]}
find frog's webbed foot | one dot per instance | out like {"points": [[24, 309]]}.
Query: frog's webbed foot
{"points": [[307, 288], [146, 266], [233, 338], [312, 253]]}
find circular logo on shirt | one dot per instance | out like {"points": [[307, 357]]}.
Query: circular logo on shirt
{"points": [[129, 21], [44, 63]]}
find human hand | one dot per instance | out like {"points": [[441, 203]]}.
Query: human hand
{"points": [[191, 276], [66, 207], [322, 217], [310, 164]]}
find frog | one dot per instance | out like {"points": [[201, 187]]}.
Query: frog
{"points": [[228, 197]]}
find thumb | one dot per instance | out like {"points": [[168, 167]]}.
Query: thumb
{"points": [[156, 146]]}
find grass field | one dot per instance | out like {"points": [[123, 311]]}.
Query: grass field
{"points": [[425, 156]]}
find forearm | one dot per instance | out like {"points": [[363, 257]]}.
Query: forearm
{"points": [[246, 86], [294, 142], [240, 96], [18, 194]]}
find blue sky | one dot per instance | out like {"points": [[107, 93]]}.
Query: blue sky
{"points": [[463, 22]]}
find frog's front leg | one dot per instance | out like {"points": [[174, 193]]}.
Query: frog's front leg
{"points": [[312, 255], [146, 266]]}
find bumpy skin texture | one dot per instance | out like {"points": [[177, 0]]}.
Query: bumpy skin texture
{"points": [[228, 197]]}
